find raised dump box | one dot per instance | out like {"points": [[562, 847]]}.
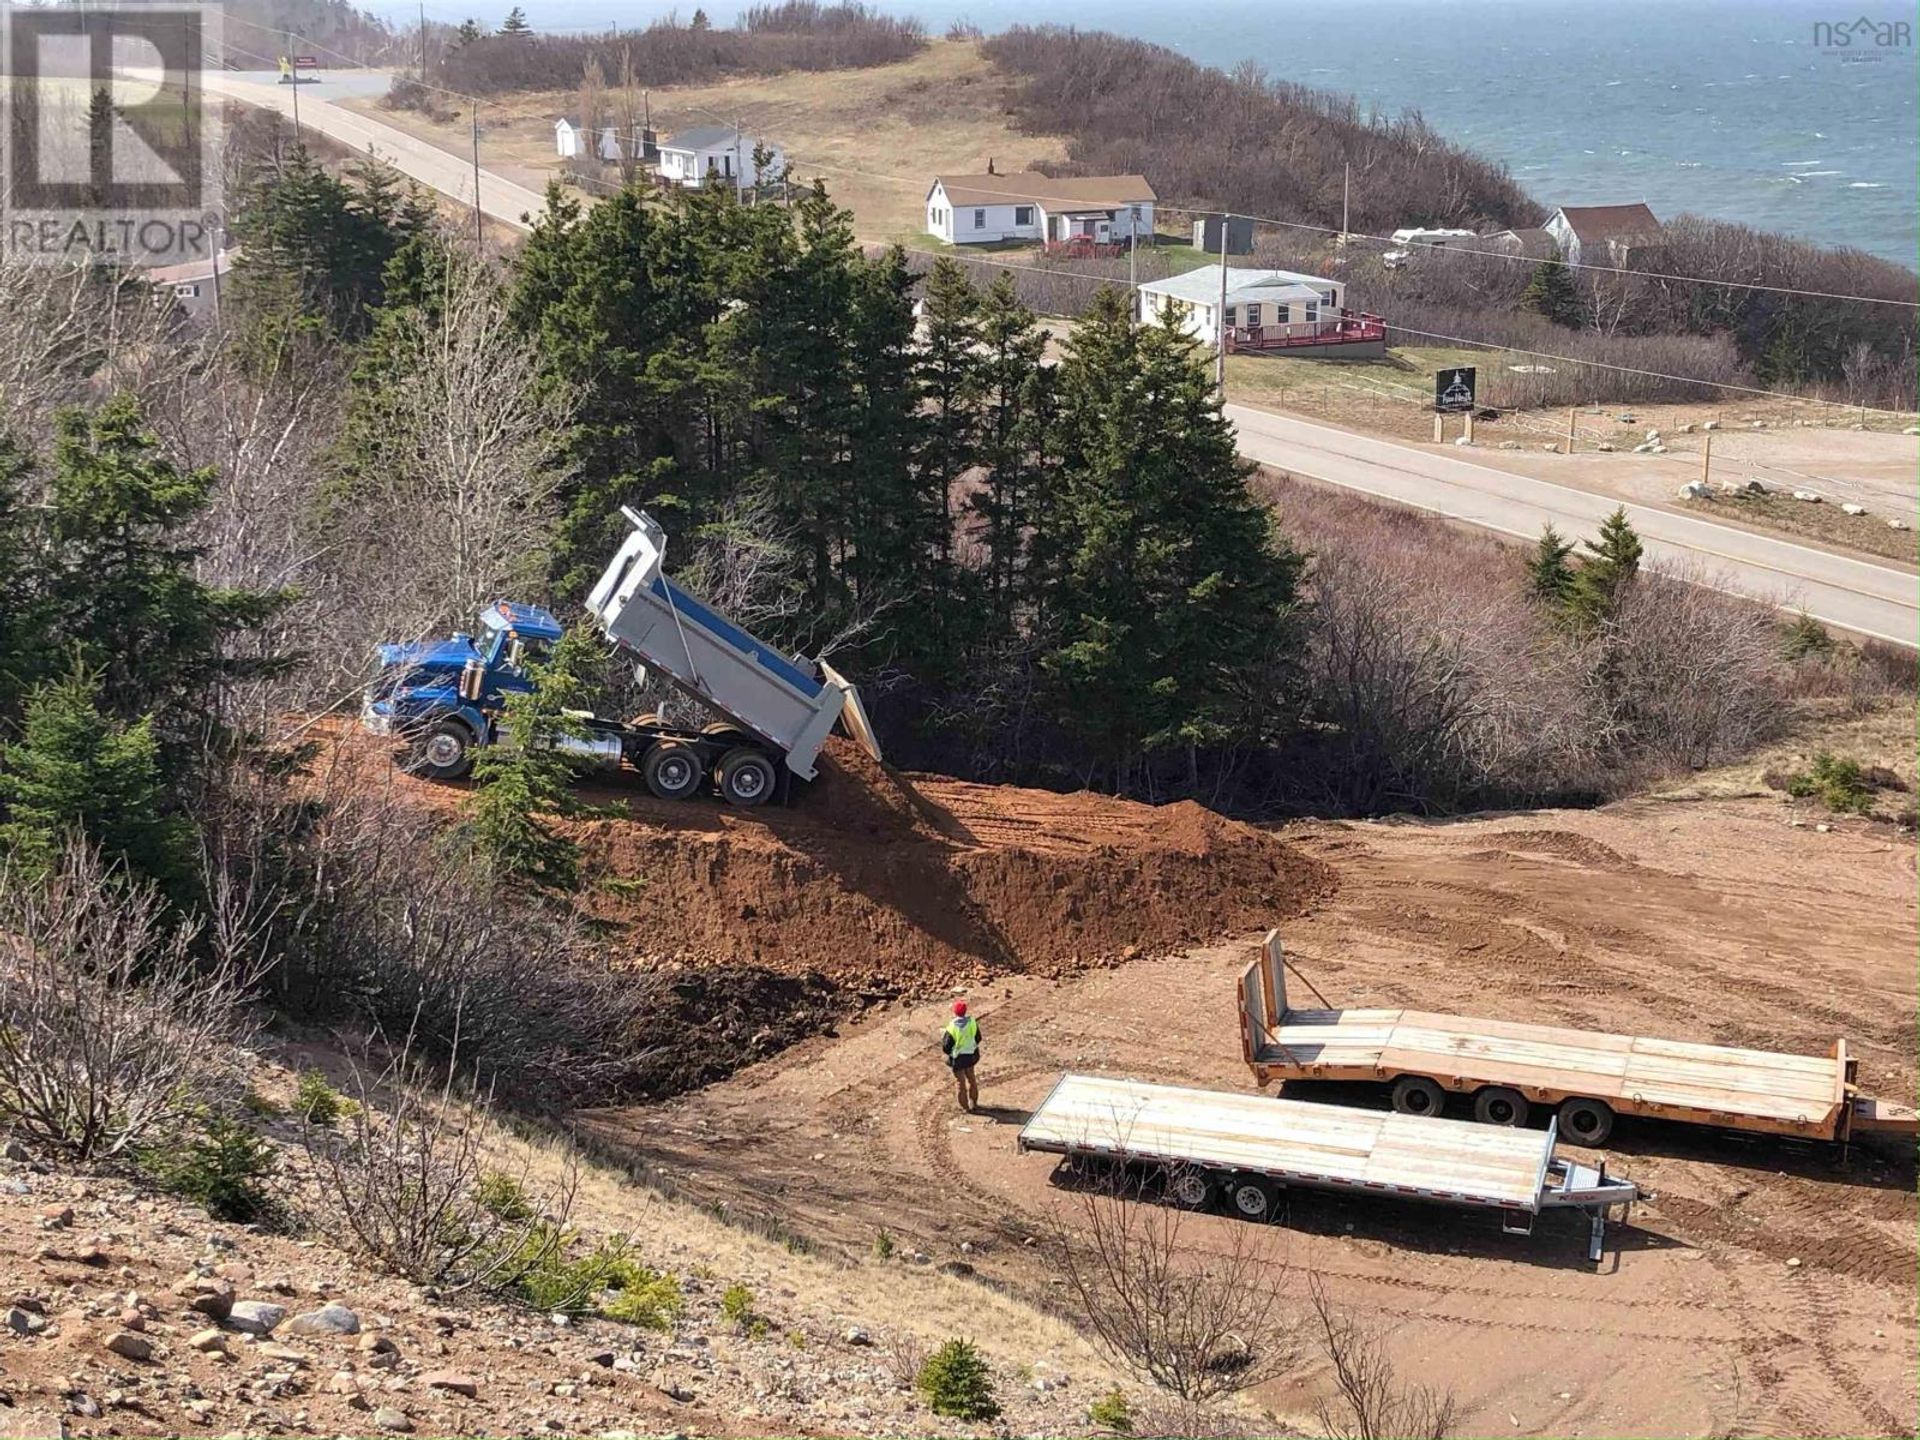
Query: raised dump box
{"points": [[1244, 1149], [1588, 1075], [788, 703]]}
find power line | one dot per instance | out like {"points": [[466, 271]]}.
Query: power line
{"points": [[1452, 249]]}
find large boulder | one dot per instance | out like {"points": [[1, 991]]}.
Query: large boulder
{"points": [[332, 1318]]}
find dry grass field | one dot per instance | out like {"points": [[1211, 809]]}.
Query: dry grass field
{"points": [[876, 136]]}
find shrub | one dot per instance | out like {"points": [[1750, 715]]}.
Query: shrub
{"points": [[1806, 638], [642, 1296], [1112, 1412], [503, 1197], [883, 1246], [112, 1031], [220, 1169], [736, 1306], [1838, 782], [316, 1102], [956, 1383], [401, 1182]]}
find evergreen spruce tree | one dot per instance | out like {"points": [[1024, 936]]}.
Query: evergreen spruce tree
{"points": [[1606, 572], [76, 772], [1008, 444], [23, 650], [1174, 596], [1549, 575], [699, 21], [468, 32], [119, 584], [516, 23], [949, 377], [1551, 292], [524, 779]]}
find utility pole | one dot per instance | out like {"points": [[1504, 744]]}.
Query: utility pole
{"points": [[293, 69], [1220, 316], [423, 41], [1346, 189], [1706, 458], [479, 220], [1569, 429]]}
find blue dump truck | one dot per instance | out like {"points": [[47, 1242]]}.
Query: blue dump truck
{"points": [[772, 712]]}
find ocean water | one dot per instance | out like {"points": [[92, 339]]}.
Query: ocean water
{"points": [[1715, 107]]}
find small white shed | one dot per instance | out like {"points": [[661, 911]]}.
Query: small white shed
{"points": [[568, 135]]}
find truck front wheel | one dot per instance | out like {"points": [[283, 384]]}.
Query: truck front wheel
{"points": [[672, 769], [443, 752], [747, 777]]}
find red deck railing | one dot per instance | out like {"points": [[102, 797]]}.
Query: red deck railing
{"points": [[1349, 329]]}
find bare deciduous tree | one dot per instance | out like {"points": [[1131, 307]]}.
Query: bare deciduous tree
{"points": [[1200, 1322], [1369, 1401]]}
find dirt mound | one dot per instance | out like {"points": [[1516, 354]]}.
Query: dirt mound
{"points": [[889, 882]]}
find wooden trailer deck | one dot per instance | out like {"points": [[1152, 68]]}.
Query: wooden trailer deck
{"points": [[1761, 1090], [1314, 1145]]}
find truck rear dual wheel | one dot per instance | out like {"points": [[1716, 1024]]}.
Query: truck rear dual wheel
{"points": [[746, 776], [673, 771], [1190, 1189]]}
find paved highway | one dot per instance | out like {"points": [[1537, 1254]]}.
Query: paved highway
{"points": [[1853, 594], [451, 175]]}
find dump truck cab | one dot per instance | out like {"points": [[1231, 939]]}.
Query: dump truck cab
{"points": [[445, 696]]}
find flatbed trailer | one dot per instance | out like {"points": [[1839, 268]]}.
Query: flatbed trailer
{"points": [[1245, 1149], [1590, 1077]]}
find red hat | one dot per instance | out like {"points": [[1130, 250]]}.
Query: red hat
{"points": [[959, 1007]]}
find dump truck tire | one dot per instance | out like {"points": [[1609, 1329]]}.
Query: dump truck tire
{"points": [[722, 733], [443, 752], [1417, 1095], [672, 770], [1254, 1197], [1585, 1121], [1497, 1105], [747, 776]]}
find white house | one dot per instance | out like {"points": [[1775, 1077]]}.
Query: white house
{"points": [[709, 153], [194, 285], [1265, 310], [976, 209], [1603, 234], [567, 136]]}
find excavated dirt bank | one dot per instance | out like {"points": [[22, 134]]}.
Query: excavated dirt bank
{"points": [[886, 882]]}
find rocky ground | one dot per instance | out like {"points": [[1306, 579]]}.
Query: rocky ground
{"points": [[125, 1312]]}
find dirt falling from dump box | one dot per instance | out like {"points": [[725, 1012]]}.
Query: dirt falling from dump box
{"points": [[891, 882]]}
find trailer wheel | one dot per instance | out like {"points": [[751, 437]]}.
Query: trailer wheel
{"points": [[1586, 1122], [747, 776], [1417, 1095], [1189, 1188], [1253, 1197], [444, 752], [672, 770], [1497, 1105]]}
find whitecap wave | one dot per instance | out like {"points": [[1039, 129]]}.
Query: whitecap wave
{"points": [[1798, 164], [1867, 185], [1805, 174]]}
